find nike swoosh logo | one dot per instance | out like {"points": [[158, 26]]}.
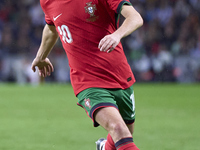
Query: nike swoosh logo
{"points": [[133, 115], [56, 17]]}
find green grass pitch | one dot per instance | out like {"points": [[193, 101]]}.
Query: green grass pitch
{"points": [[47, 118]]}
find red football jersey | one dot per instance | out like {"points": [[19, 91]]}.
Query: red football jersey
{"points": [[81, 25]]}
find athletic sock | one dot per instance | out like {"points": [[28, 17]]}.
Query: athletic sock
{"points": [[110, 145], [126, 144]]}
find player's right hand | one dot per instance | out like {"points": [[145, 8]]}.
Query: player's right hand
{"points": [[44, 66], [109, 42]]}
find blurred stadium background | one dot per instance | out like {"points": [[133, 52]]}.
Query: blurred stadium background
{"points": [[165, 49]]}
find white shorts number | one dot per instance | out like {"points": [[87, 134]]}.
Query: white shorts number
{"points": [[65, 33]]}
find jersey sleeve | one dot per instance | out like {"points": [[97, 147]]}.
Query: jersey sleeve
{"points": [[48, 20], [116, 5]]}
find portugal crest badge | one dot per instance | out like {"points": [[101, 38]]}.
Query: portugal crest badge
{"points": [[87, 103], [90, 9]]}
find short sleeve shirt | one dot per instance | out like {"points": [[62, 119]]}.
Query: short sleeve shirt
{"points": [[81, 25]]}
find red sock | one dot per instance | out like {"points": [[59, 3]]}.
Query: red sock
{"points": [[126, 144], [110, 145], [130, 146]]}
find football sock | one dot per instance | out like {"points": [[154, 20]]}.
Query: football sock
{"points": [[126, 144], [110, 145]]}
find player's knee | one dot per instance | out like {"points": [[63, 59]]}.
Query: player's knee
{"points": [[117, 127]]}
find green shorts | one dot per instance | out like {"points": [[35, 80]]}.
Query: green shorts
{"points": [[92, 99]]}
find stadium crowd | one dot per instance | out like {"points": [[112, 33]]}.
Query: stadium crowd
{"points": [[165, 49]]}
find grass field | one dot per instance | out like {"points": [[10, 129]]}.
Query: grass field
{"points": [[47, 118]]}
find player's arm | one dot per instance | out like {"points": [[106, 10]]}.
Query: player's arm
{"points": [[49, 38], [133, 20]]}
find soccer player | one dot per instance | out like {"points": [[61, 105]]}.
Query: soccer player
{"points": [[100, 75]]}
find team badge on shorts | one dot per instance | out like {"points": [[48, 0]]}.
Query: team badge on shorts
{"points": [[87, 103], [90, 9]]}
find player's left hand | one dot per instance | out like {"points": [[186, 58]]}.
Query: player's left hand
{"points": [[45, 67], [108, 43]]}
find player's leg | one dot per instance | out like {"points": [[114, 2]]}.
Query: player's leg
{"points": [[131, 127], [109, 143], [111, 120], [94, 100], [126, 104]]}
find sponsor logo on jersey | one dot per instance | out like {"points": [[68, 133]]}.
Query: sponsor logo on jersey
{"points": [[90, 9], [87, 103]]}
